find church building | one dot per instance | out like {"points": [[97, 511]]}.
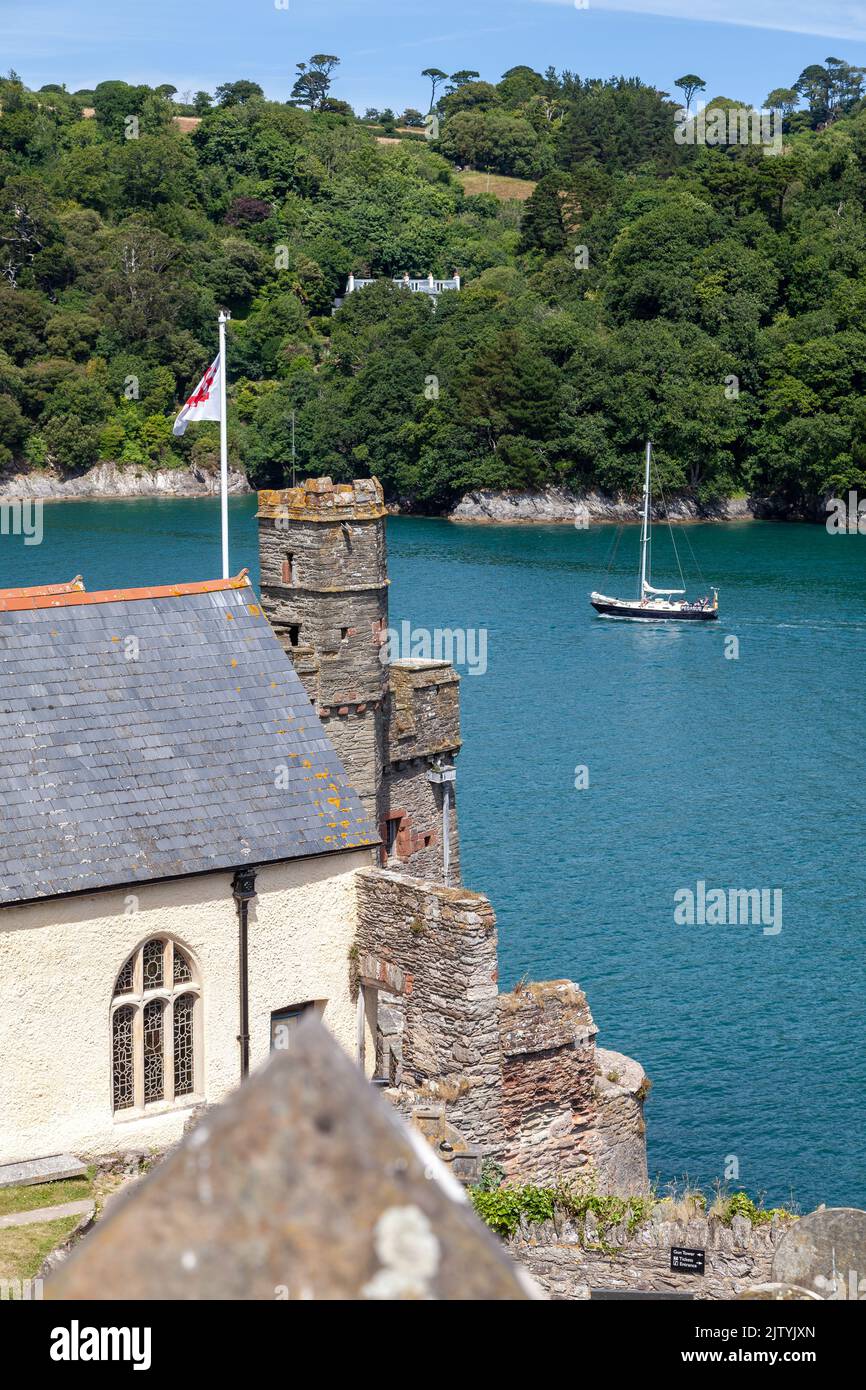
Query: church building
{"points": [[176, 865]]}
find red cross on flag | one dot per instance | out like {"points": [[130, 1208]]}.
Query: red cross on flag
{"points": [[204, 403]]}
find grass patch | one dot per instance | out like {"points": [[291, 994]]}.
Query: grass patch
{"points": [[46, 1194], [23, 1248], [500, 185]]}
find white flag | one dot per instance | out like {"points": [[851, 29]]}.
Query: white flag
{"points": [[204, 403]]}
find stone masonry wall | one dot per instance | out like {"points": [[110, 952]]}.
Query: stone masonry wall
{"points": [[424, 709], [518, 1074], [415, 803], [325, 590], [619, 1153], [435, 948], [737, 1256], [423, 735], [547, 1038]]}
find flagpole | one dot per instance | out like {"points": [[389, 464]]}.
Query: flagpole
{"points": [[224, 450]]}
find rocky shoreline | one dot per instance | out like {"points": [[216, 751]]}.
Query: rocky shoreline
{"points": [[550, 506], [559, 506], [108, 480]]}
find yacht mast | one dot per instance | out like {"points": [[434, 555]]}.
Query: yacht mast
{"points": [[644, 535]]}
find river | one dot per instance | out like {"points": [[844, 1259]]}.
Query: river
{"points": [[705, 764]]}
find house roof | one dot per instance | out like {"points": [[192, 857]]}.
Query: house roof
{"points": [[152, 733], [38, 589]]}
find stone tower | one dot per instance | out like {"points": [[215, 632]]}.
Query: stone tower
{"points": [[395, 727], [325, 590]]}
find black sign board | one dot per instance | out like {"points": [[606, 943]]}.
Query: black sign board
{"points": [[686, 1261]]}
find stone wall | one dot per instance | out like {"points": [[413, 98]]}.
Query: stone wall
{"points": [[424, 711], [518, 1074], [619, 1152], [737, 1256], [442, 941], [414, 804], [423, 739], [547, 1040]]}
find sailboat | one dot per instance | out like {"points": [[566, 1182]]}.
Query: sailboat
{"points": [[652, 604]]}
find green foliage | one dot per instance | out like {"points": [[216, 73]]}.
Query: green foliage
{"points": [[706, 267], [502, 1208], [741, 1204]]}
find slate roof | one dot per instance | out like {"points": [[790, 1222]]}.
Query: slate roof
{"points": [[197, 750]]}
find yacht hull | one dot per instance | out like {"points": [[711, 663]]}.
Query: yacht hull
{"points": [[633, 612]]}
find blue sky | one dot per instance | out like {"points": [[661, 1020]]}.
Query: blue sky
{"points": [[743, 48]]}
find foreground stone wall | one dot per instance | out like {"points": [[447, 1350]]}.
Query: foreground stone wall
{"points": [[737, 1256]]}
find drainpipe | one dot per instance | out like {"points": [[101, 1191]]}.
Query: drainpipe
{"points": [[443, 776], [243, 892]]}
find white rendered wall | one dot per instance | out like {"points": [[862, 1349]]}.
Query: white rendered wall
{"points": [[59, 960]]}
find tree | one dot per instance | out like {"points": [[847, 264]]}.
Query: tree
{"points": [[202, 102], [314, 80], [542, 227], [437, 77], [114, 103], [458, 79], [814, 83], [469, 96], [236, 93], [783, 99], [519, 85], [689, 85]]}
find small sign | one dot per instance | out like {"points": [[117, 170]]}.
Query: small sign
{"points": [[686, 1261]]}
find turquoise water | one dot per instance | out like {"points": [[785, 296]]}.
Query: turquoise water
{"points": [[747, 773]]}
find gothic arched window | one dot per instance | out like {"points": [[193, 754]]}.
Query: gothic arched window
{"points": [[155, 1019]]}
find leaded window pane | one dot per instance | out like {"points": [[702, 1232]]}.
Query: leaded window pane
{"points": [[125, 978], [123, 1082], [184, 1012], [182, 971], [154, 1069], [152, 967]]}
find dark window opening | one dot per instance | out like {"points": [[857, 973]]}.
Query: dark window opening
{"points": [[289, 568], [344, 633], [294, 634], [392, 827]]}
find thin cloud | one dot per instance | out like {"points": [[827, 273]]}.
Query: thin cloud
{"points": [[833, 19]]}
